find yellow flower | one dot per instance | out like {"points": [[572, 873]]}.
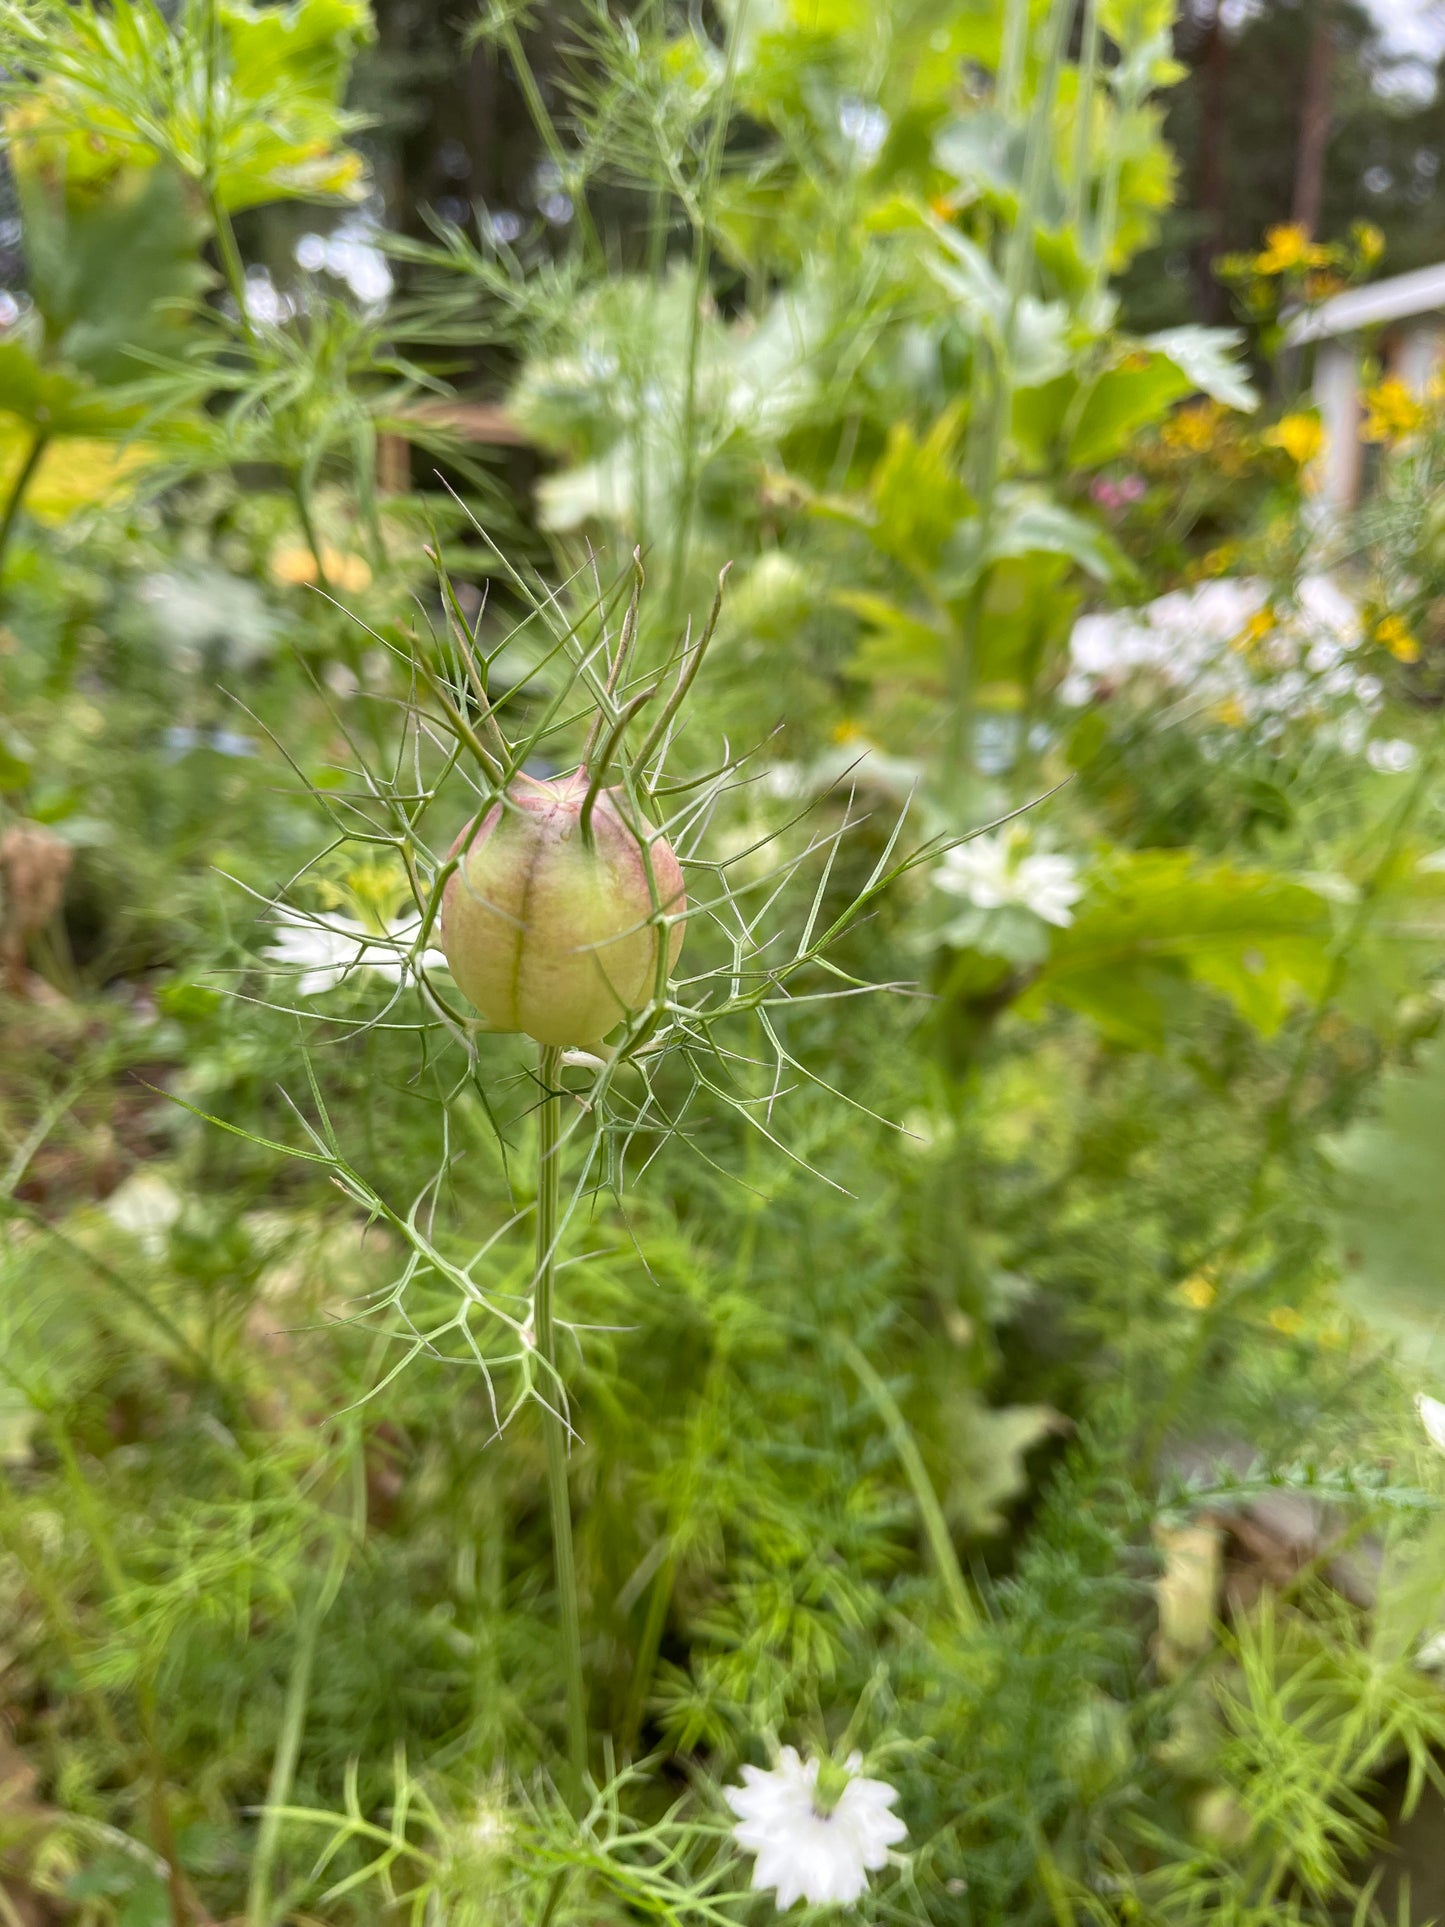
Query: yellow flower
{"points": [[1369, 241], [1287, 1321], [1194, 427], [847, 732], [1300, 436], [1287, 248], [1221, 560], [1322, 283], [348, 573], [1393, 633], [1261, 625], [1230, 712], [1198, 1290], [1392, 411]]}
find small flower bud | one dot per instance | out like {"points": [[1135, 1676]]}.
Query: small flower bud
{"points": [[549, 931]]}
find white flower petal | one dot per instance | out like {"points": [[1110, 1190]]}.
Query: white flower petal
{"points": [[1432, 1417], [802, 1854], [988, 872]]}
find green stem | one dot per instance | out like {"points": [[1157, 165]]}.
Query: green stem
{"points": [[1083, 116], [1011, 56], [231, 263], [935, 1526], [1107, 218], [18, 487], [549, 1193], [235, 273], [547, 132], [687, 491], [283, 1766], [308, 529], [648, 1646], [988, 465]]}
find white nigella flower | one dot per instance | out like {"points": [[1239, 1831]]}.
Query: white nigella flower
{"points": [[808, 1847], [1432, 1417], [990, 873], [145, 1206], [325, 950], [390, 960], [322, 949]]}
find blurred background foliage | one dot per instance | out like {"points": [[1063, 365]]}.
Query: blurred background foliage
{"points": [[1045, 1426]]}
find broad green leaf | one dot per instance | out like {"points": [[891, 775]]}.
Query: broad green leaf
{"points": [[916, 493], [53, 399], [1257, 938], [1028, 612], [963, 269], [897, 643], [113, 274], [1026, 522], [1391, 1217], [1038, 417], [1121, 402], [983, 151], [1034, 334], [1040, 344]]}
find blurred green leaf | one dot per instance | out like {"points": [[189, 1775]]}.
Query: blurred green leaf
{"points": [[1391, 1218], [1258, 938], [1026, 522], [263, 122], [110, 276], [1121, 402]]}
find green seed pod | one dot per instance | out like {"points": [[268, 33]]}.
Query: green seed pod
{"points": [[549, 931]]}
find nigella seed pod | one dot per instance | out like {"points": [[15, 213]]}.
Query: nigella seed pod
{"points": [[549, 930]]}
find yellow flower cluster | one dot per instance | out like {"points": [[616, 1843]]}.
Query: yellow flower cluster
{"points": [[1301, 436], [1193, 430], [1201, 1289], [295, 566], [1261, 625], [1288, 249], [1394, 633], [1291, 263], [1219, 560], [1391, 411]]}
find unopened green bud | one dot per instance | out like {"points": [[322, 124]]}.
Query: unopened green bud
{"points": [[552, 931]]}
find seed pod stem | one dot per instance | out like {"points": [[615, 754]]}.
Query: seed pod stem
{"points": [[549, 1192]]}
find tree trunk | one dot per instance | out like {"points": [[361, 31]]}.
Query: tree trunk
{"points": [[1212, 190], [1314, 126]]}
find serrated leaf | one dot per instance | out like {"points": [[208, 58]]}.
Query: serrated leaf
{"points": [[1209, 359]]}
